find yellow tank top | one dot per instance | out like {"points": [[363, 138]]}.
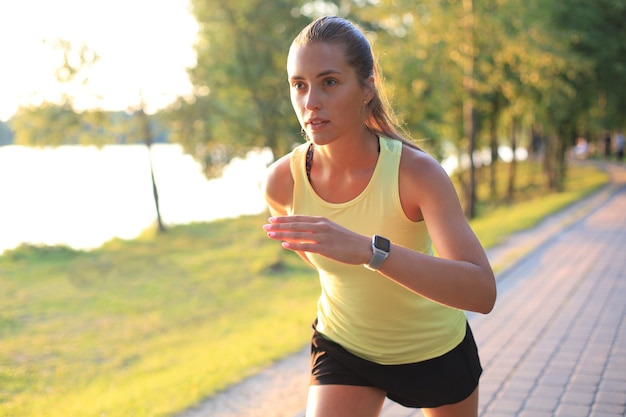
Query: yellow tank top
{"points": [[365, 312]]}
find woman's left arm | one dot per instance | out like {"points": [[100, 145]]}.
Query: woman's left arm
{"points": [[460, 276]]}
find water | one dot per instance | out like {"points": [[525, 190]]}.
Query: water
{"points": [[84, 196]]}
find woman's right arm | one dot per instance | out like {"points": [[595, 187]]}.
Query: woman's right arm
{"points": [[278, 192]]}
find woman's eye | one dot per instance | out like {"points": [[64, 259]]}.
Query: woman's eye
{"points": [[297, 85], [330, 82]]}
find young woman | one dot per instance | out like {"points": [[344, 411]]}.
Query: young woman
{"points": [[364, 207]]}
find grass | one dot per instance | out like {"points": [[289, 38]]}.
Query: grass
{"points": [[149, 327], [531, 205]]}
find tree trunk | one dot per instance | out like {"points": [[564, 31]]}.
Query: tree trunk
{"points": [[155, 192], [549, 162], [510, 194], [468, 109], [470, 187], [493, 145], [148, 140], [561, 155]]}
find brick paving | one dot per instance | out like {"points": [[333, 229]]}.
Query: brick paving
{"points": [[555, 344]]}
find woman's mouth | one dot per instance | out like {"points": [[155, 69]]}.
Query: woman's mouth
{"points": [[317, 124]]}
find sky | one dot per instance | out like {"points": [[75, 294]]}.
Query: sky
{"points": [[144, 47]]}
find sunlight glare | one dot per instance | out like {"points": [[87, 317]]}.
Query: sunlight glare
{"points": [[144, 46]]}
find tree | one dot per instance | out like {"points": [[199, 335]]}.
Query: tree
{"points": [[467, 48], [461, 72], [596, 31], [408, 41], [146, 131], [240, 97], [55, 124]]}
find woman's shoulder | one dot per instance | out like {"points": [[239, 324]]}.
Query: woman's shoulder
{"points": [[419, 161], [421, 172], [410, 151], [278, 184]]}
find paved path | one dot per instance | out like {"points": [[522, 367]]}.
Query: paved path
{"points": [[555, 344]]}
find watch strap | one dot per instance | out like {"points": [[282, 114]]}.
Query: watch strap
{"points": [[380, 252]]}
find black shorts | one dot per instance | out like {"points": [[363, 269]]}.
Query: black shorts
{"points": [[447, 379]]}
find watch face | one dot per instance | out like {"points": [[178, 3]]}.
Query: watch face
{"points": [[382, 243]]}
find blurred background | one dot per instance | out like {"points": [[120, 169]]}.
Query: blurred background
{"points": [[149, 120], [110, 109], [108, 59]]}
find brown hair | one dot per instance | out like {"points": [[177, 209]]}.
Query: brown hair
{"points": [[381, 119]]}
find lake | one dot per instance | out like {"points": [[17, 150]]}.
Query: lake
{"points": [[82, 196]]}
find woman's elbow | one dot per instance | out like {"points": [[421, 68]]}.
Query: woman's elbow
{"points": [[488, 300]]}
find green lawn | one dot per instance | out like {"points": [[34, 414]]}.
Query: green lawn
{"points": [[151, 326], [532, 204]]}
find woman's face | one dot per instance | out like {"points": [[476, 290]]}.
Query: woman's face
{"points": [[325, 93]]}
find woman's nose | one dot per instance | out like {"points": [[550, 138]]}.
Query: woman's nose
{"points": [[312, 101]]}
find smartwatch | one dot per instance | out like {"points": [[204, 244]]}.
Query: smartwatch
{"points": [[380, 250]]}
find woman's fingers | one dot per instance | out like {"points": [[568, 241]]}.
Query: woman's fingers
{"points": [[289, 224], [318, 235]]}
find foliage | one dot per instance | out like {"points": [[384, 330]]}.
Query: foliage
{"points": [[54, 125], [240, 98], [59, 122], [532, 72], [596, 32]]}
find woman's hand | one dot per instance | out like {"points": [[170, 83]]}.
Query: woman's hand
{"points": [[319, 235]]}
